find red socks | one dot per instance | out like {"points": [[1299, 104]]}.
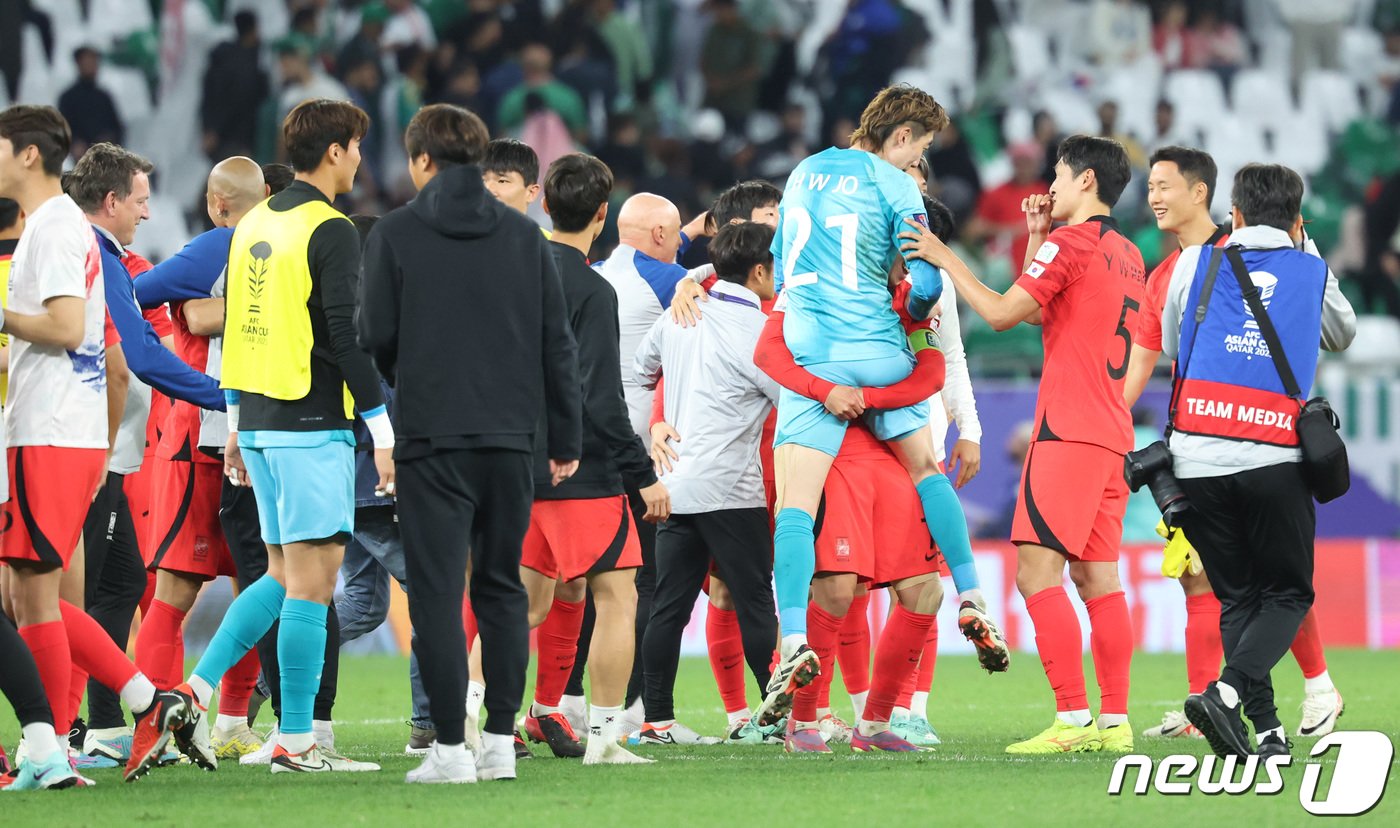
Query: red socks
{"points": [[148, 596], [558, 648], [726, 648], [49, 644], [1204, 650], [1060, 643], [160, 650], [469, 617], [1307, 647], [237, 686], [77, 686], [823, 630], [900, 647], [95, 651], [853, 653], [1111, 639], [929, 659]]}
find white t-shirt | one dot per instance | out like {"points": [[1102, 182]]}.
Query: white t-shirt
{"points": [[58, 397]]}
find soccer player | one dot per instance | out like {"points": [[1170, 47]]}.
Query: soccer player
{"points": [[190, 546], [1180, 185], [511, 172], [468, 433], [720, 401], [1084, 282], [57, 434], [289, 354]]}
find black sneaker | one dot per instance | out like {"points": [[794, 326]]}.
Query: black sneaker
{"points": [[1220, 724], [1272, 745], [522, 750], [554, 730]]}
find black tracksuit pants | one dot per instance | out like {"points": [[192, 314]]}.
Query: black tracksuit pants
{"points": [[451, 504], [1254, 531], [238, 515], [740, 542], [115, 581]]}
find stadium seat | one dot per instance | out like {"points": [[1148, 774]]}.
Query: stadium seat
{"points": [[1331, 97], [1030, 54], [1235, 142], [1071, 108], [1262, 96], [1136, 90], [1301, 145], [1198, 96], [1377, 340]]}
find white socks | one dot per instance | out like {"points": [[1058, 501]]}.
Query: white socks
{"points": [[1078, 718], [918, 705], [791, 643], [601, 720], [296, 742], [736, 717], [139, 694], [203, 693], [537, 710], [1107, 720], [858, 702], [1321, 683], [1228, 694], [226, 723], [476, 694], [41, 741]]}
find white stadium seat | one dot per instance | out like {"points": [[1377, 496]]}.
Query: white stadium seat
{"points": [[1332, 97], [1198, 96], [1262, 96]]}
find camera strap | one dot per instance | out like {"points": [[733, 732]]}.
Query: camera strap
{"points": [[1202, 303], [1266, 326]]}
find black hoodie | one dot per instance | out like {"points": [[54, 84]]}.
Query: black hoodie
{"points": [[462, 308]]}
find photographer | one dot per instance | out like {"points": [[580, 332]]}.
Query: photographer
{"points": [[1234, 443]]}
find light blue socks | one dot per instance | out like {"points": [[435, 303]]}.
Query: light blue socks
{"points": [[794, 563], [247, 620], [948, 526], [301, 653]]}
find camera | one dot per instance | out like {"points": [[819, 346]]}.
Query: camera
{"points": [[1152, 466]]}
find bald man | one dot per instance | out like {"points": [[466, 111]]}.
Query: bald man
{"points": [[643, 271], [186, 545]]}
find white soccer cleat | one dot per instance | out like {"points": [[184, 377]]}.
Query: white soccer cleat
{"points": [[797, 669], [673, 734], [1174, 724], [1321, 712], [344, 764], [833, 729], [445, 767], [234, 743], [263, 755]]}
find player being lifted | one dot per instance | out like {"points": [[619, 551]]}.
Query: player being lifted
{"points": [[839, 222], [1085, 283]]}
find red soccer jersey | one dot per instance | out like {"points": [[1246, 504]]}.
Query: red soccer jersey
{"points": [[1089, 280], [1149, 333]]}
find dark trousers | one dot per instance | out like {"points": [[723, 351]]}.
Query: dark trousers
{"points": [[19, 678], [115, 581], [238, 515], [740, 542], [451, 504], [1254, 531]]}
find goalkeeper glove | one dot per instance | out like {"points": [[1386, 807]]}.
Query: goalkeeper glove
{"points": [[1178, 557]]}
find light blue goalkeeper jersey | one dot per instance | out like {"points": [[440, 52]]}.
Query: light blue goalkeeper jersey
{"points": [[838, 228]]}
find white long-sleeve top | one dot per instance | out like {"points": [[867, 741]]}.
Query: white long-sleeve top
{"points": [[956, 400]]}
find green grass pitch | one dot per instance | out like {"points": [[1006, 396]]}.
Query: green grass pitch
{"points": [[966, 782]]}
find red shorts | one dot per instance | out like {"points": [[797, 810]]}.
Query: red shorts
{"points": [[138, 487], [51, 489], [186, 535], [568, 539], [1073, 497]]}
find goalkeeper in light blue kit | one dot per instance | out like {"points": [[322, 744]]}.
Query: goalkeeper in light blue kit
{"points": [[840, 219]]}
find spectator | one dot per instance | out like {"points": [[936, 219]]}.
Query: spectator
{"points": [[302, 79], [14, 14], [1380, 277], [1120, 32], [235, 85], [364, 83], [408, 25], [999, 221], [1171, 39], [1045, 131], [729, 61], [89, 109], [1217, 45], [1317, 32], [536, 65], [841, 129], [462, 87], [367, 42], [955, 179], [1108, 128], [631, 54], [780, 154], [1165, 131], [623, 153]]}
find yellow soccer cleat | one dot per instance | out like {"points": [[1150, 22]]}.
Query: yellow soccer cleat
{"points": [[235, 742], [1060, 737], [1179, 557], [1117, 739]]}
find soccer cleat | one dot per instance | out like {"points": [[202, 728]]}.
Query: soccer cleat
{"points": [[885, 741], [4, 766], [917, 731], [192, 735], [806, 740], [1060, 737], [1221, 725], [444, 767], [1274, 746], [308, 761], [1320, 713], [83, 762], [153, 730], [522, 750], [1116, 739], [495, 763], [554, 730], [262, 755], [748, 733], [54, 774], [674, 733], [978, 627], [344, 764], [234, 743], [420, 740], [793, 672], [77, 735], [1174, 725], [834, 730], [112, 742]]}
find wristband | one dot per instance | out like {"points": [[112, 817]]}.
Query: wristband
{"points": [[233, 418], [381, 431]]}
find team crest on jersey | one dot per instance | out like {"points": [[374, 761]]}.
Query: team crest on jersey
{"points": [[1035, 270], [1047, 252], [922, 219]]}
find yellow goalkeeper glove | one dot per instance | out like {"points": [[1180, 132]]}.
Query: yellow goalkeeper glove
{"points": [[1179, 556]]}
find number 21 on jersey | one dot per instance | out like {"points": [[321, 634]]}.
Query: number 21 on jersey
{"points": [[847, 223]]}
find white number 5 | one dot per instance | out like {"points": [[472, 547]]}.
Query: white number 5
{"points": [[849, 225]]}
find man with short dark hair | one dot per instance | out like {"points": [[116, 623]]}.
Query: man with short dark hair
{"points": [[89, 108], [457, 259], [289, 355], [1234, 443], [1084, 283], [511, 172]]}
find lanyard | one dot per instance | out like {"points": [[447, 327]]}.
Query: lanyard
{"points": [[736, 300]]}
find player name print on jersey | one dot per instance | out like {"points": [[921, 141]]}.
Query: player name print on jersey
{"points": [[845, 184]]}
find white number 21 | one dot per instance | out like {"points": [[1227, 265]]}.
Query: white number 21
{"points": [[848, 223]]}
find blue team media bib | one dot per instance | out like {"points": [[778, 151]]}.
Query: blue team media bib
{"points": [[838, 224]]}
